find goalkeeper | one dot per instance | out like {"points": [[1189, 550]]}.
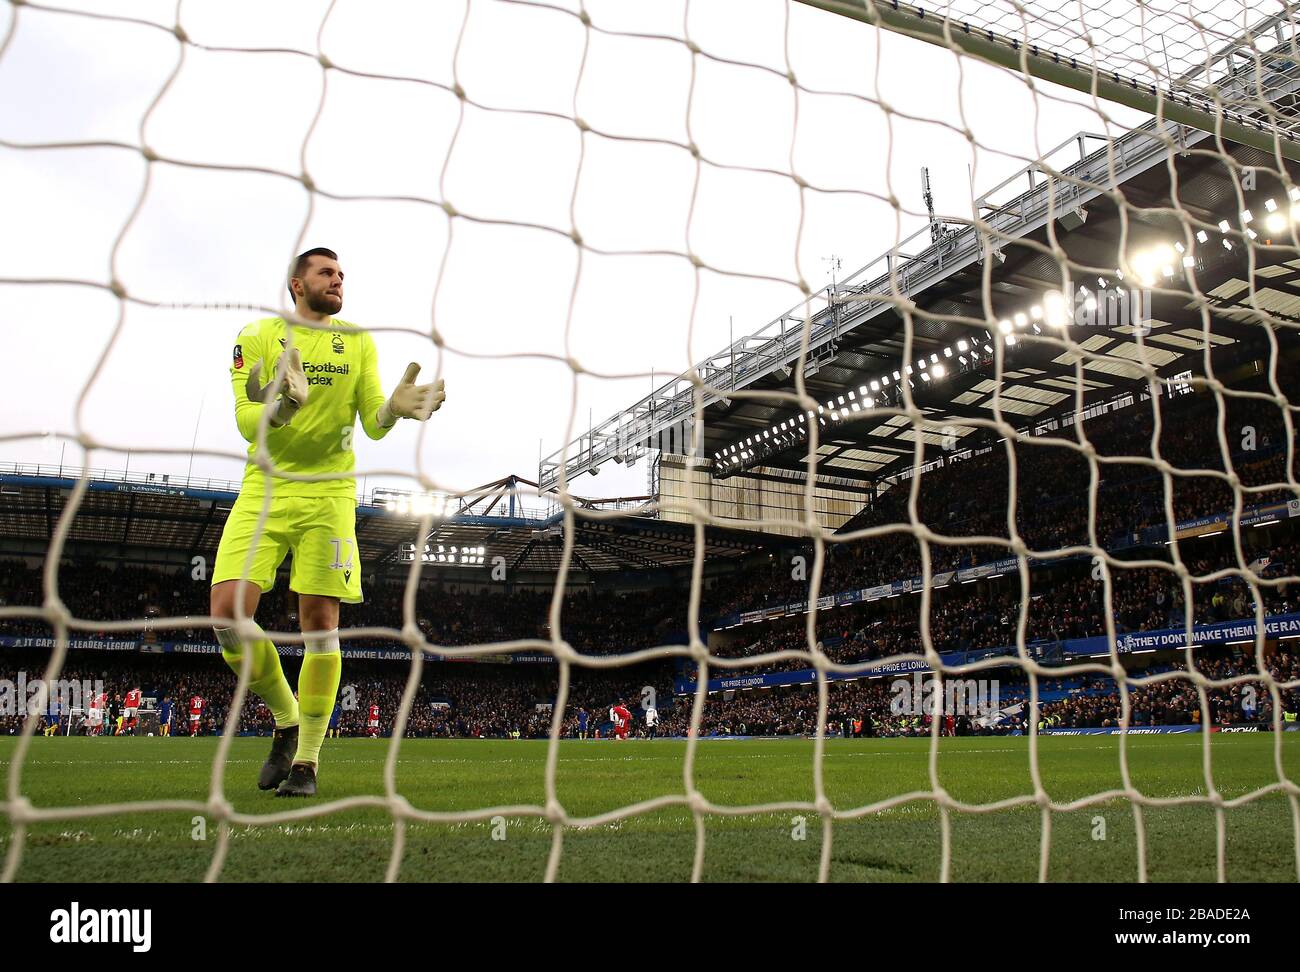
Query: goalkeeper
{"points": [[324, 381]]}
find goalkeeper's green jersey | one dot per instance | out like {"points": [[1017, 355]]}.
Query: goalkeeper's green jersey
{"points": [[343, 376]]}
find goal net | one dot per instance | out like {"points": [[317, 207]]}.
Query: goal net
{"points": [[1091, 299]]}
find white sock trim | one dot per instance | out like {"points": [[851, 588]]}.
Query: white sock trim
{"points": [[321, 642], [228, 638]]}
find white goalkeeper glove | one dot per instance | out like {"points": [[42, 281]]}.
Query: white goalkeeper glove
{"points": [[293, 394], [410, 400]]}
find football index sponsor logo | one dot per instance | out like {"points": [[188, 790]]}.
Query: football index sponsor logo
{"points": [[112, 926], [323, 374]]}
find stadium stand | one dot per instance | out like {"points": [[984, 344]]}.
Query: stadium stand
{"points": [[626, 610]]}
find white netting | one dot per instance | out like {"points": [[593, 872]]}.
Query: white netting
{"points": [[1165, 46]]}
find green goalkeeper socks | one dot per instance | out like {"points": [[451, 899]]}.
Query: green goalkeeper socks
{"points": [[266, 680], [318, 687]]}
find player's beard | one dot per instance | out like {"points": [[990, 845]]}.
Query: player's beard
{"points": [[324, 303]]}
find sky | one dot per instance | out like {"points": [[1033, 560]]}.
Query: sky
{"points": [[508, 292]]}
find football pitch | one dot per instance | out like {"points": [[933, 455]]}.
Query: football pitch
{"points": [[1097, 843]]}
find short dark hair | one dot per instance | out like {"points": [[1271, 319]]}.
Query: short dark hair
{"points": [[300, 264]]}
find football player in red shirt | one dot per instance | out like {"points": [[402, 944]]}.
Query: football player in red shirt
{"points": [[372, 725], [196, 713], [621, 718], [95, 717], [130, 707]]}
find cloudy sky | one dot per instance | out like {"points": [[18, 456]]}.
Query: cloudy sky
{"points": [[209, 245]]}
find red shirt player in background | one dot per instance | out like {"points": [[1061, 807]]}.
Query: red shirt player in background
{"points": [[622, 719], [95, 717], [196, 713], [130, 708], [372, 724]]}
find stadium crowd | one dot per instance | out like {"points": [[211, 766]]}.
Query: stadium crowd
{"points": [[1062, 603], [600, 623], [468, 700], [962, 499], [966, 498], [970, 497]]}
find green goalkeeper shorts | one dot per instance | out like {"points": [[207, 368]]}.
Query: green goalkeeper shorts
{"points": [[320, 530]]}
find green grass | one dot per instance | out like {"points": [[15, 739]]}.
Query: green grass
{"points": [[900, 844]]}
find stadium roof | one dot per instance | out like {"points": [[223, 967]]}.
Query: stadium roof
{"points": [[856, 335], [125, 514], [1225, 67], [1039, 380], [857, 332]]}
